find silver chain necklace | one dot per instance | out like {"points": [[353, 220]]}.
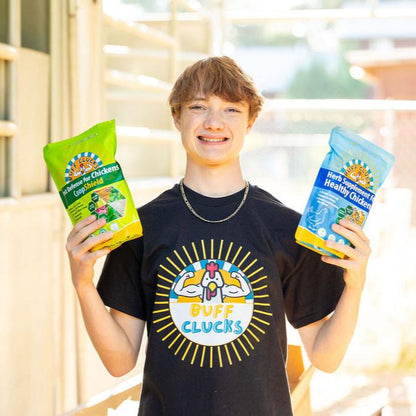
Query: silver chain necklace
{"points": [[188, 204]]}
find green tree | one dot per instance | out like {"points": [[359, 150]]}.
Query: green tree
{"points": [[316, 81], [264, 34]]}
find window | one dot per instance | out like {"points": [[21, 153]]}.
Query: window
{"points": [[24, 95]]}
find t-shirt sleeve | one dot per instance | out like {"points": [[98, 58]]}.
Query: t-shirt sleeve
{"points": [[312, 289], [120, 285]]}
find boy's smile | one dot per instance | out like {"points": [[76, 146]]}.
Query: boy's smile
{"points": [[212, 139]]}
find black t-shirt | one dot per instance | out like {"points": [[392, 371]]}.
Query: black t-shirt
{"points": [[215, 297]]}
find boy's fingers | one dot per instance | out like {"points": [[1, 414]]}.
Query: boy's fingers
{"points": [[351, 236], [83, 223], [342, 248], [352, 232], [82, 252], [83, 230], [94, 240], [80, 225], [335, 261], [358, 229], [100, 253]]}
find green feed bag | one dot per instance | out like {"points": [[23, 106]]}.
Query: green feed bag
{"points": [[90, 182]]}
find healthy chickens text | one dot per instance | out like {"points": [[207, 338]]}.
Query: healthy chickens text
{"points": [[345, 188]]}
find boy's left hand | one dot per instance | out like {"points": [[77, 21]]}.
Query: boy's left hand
{"points": [[356, 256]]}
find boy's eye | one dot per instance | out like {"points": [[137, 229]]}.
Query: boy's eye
{"points": [[234, 110], [196, 107]]}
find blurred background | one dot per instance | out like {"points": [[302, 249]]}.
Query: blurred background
{"points": [[66, 65]]}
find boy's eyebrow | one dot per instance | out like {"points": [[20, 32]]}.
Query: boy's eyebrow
{"points": [[202, 98]]}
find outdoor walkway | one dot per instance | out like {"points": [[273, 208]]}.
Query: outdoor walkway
{"points": [[347, 394]]}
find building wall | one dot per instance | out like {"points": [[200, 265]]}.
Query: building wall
{"points": [[397, 81], [30, 255], [31, 272]]}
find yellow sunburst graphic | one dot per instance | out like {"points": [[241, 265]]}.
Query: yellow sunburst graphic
{"points": [[212, 303], [358, 167]]}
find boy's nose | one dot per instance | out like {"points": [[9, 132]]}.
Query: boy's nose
{"points": [[214, 120]]}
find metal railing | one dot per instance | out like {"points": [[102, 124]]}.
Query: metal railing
{"points": [[321, 14], [149, 89], [7, 128], [7, 52], [140, 30], [149, 34], [141, 82]]}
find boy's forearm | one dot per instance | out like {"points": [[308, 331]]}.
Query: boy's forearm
{"points": [[108, 337], [327, 341], [335, 334]]}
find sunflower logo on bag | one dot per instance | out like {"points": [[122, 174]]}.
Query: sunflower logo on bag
{"points": [[359, 172], [81, 164]]}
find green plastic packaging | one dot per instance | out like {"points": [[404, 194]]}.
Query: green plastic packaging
{"points": [[90, 181]]}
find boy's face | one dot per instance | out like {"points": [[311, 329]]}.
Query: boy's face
{"points": [[213, 129]]}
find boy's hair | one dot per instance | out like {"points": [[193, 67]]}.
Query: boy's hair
{"points": [[219, 76]]}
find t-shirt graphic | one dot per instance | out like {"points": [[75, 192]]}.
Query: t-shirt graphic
{"points": [[212, 303]]}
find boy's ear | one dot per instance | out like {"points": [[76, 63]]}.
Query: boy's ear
{"points": [[250, 124], [177, 120]]}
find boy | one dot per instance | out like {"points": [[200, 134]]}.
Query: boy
{"points": [[216, 272]]}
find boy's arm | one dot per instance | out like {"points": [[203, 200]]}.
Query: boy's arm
{"points": [[115, 335], [326, 341]]}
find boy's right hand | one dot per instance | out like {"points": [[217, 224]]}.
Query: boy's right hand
{"points": [[79, 243]]}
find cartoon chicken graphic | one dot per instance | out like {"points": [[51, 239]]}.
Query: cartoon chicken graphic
{"points": [[212, 287]]}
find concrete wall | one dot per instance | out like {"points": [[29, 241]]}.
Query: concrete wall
{"points": [[31, 272], [33, 120]]}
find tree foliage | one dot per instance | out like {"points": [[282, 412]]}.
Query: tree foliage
{"points": [[317, 81]]}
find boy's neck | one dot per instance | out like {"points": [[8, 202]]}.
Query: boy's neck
{"points": [[215, 181]]}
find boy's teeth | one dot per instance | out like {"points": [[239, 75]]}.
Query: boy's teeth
{"points": [[207, 139]]}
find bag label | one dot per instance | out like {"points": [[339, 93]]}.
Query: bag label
{"points": [[98, 178], [345, 188]]}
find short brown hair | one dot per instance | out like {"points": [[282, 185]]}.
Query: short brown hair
{"points": [[219, 76]]}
